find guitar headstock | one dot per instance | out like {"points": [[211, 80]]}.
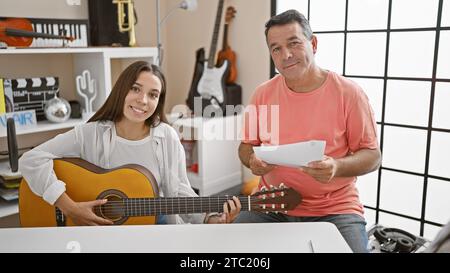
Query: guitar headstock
{"points": [[231, 11], [275, 199]]}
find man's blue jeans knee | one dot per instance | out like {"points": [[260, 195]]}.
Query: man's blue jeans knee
{"points": [[353, 229]]}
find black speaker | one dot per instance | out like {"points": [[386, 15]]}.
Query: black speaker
{"points": [[233, 95], [13, 151], [103, 24]]}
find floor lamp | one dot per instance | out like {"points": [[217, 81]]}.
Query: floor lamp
{"points": [[185, 4]]}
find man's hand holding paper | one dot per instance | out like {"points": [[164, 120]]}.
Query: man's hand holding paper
{"points": [[323, 170], [258, 166], [292, 155], [308, 156]]}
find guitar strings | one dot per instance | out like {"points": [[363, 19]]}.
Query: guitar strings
{"points": [[169, 203], [142, 204], [173, 203], [197, 199], [145, 205], [161, 199], [182, 205]]}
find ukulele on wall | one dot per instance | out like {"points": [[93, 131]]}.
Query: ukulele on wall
{"points": [[227, 53]]}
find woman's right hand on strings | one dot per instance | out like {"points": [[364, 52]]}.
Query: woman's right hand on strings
{"points": [[81, 213]]}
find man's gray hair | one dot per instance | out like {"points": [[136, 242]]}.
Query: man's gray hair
{"points": [[287, 17]]}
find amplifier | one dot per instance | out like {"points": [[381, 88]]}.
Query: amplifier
{"points": [[104, 27]]}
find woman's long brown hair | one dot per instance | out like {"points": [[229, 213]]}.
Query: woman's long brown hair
{"points": [[112, 109]]}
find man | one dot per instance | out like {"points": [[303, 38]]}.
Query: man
{"points": [[314, 104]]}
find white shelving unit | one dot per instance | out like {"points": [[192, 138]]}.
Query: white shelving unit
{"points": [[44, 126], [98, 61], [216, 152]]}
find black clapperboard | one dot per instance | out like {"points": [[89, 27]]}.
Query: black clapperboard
{"points": [[32, 93]]}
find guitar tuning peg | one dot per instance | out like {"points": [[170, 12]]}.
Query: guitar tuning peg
{"points": [[285, 212], [263, 196], [263, 206], [271, 187], [263, 189], [273, 206], [282, 186], [282, 206], [282, 193], [266, 212]]}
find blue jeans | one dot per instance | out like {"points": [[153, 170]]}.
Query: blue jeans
{"points": [[351, 226], [161, 220]]}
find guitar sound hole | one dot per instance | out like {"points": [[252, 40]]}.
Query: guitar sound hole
{"points": [[113, 210]]}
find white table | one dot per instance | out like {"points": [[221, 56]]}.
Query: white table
{"points": [[204, 238]]}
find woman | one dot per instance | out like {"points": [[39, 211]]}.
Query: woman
{"points": [[130, 128]]}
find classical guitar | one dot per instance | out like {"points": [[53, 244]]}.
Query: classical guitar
{"points": [[226, 53], [132, 195], [212, 82]]}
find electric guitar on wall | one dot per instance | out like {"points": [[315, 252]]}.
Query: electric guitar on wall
{"points": [[132, 194], [198, 71], [212, 82]]}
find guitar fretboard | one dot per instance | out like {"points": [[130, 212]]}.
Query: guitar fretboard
{"points": [[176, 205], [135, 207], [212, 50]]}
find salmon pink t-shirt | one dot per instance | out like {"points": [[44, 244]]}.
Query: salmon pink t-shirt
{"points": [[337, 112]]}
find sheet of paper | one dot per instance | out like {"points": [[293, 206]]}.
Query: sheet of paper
{"points": [[292, 155]]}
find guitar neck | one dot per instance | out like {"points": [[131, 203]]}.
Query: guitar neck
{"points": [[213, 48], [26, 33], [179, 205], [225, 37]]}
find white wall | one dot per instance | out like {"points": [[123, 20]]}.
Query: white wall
{"points": [[43, 9]]}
